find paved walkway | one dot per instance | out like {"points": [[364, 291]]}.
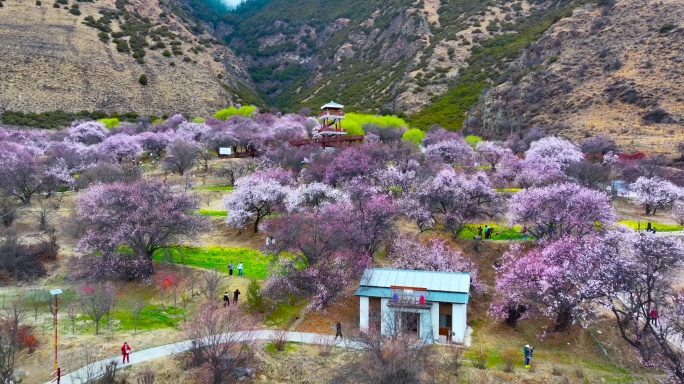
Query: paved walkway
{"points": [[96, 368], [137, 357]]}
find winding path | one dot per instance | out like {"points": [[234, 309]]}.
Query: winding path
{"points": [[137, 357]]}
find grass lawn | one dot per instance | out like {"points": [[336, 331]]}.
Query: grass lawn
{"points": [[255, 263], [215, 188], [209, 212], [283, 313], [508, 189], [662, 227], [153, 316], [507, 233]]}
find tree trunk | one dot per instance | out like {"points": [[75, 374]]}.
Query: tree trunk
{"points": [[147, 269], [256, 224], [563, 320]]}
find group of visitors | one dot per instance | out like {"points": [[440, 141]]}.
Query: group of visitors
{"points": [[226, 298], [487, 232], [231, 266]]}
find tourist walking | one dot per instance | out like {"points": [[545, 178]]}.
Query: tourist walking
{"points": [[653, 316], [486, 230], [479, 232], [226, 299], [230, 268], [240, 269], [338, 330], [235, 296], [126, 352], [527, 351]]}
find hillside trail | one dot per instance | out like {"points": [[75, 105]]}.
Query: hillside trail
{"points": [[97, 368]]}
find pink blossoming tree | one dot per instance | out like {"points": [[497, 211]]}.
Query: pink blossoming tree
{"points": [[653, 193], [142, 217], [560, 210]]}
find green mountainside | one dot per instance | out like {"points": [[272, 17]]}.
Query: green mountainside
{"points": [[391, 55]]}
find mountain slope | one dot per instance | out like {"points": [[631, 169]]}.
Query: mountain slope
{"points": [[52, 60], [615, 69], [371, 54]]}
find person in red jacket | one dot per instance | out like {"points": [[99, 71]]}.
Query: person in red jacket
{"points": [[126, 352], [653, 314]]}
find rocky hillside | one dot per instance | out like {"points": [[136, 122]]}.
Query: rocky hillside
{"points": [[90, 56], [369, 54], [616, 69]]}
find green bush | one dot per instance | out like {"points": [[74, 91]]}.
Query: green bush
{"points": [[143, 79], [414, 135], [255, 299], [667, 28], [553, 59], [166, 53], [472, 140], [55, 5], [38, 2], [246, 110], [353, 122], [110, 122], [75, 11]]}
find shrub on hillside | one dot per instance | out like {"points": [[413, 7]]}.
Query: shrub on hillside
{"points": [[17, 262], [255, 299], [656, 116], [143, 79]]}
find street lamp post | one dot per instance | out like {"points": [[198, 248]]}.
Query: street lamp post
{"points": [[56, 293]]}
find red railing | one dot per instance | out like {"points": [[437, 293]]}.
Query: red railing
{"points": [[328, 141]]}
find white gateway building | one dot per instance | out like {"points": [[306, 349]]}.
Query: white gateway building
{"points": [[429, 304]]}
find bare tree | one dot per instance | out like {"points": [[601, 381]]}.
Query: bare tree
{"points": [[45, 214], [10, 321], [181, 157], [219, 339], [203, 159], [644, 283], [136, 307], [9, 209], [146, 376], [36, 299], [97, 301], [207, 197], [400, 358], [211, 283], [590, 175], [80, 363], [17, 260], [232, 170], [72, 307], [188, 277]]}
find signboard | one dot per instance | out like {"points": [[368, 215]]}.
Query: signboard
{"points": [[226, 151]]}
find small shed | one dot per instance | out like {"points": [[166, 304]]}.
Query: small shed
{"points": [[427, 303]]}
